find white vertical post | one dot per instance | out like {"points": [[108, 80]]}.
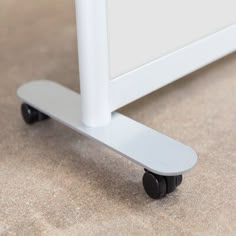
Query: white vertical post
{"points": [[94, 69]]}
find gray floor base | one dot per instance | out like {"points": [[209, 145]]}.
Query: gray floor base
{"points": [[142, 145]]}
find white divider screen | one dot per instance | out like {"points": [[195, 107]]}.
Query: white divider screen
{"points": [[141, 31]]}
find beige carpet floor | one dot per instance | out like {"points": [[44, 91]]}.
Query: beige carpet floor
{"points": [[54, 181]]}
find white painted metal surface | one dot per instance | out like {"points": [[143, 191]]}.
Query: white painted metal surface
{"points": [[90, 113], [154, 75], [93, 62], [99, 94], [141, 31], [146, 147]]}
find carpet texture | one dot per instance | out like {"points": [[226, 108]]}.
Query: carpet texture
{"points": [[54, 181]]}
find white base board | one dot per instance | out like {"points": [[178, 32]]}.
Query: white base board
{"points": [[152, 76], [142, 145]]}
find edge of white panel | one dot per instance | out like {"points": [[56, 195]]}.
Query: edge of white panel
{"points": [[165, 70]]}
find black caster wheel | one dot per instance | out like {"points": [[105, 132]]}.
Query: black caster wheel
{"points": [[179, 180], [154, 185], [173, 182], [157, 186], [31, 115]]}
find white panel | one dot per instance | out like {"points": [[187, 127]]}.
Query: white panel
{"points": [[143, 30], [158, 73]]}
